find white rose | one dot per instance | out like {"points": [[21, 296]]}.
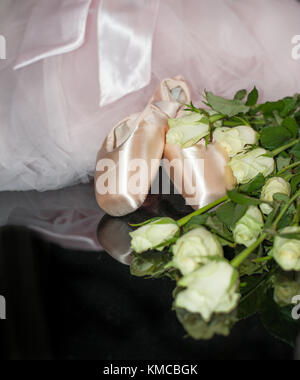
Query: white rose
{"points": [[248, 228], [211, 289], [234, 140], [286, 252], [153, 235], [187, 130], [273, 186], [246, 166], [195, 248]]}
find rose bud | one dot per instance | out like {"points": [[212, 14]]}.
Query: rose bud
{"points": [[234, 140], [194, 249], [286, 251], [211, 289], [248, 228], [273, 186], [153, 235], [187, 130], [246, 166]]}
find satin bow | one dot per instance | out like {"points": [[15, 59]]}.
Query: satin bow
{"points": [[125, 34]]}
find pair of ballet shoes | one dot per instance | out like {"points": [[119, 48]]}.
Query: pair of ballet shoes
{"points": [[139, 143]]}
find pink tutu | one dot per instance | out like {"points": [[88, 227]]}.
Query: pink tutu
{"points": [[74, 68]]}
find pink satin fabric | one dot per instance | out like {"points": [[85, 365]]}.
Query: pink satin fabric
{"points": [[138, 137], [54, 27], [125, 35], [199, 173], [51, 122]]}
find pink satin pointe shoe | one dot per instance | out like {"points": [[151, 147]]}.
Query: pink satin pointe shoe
{"points": [[200, 173], [130, 157]]}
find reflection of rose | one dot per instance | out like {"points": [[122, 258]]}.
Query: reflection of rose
{"points": [[187, 130], [287, 251], [153, 235], [286, 286], [273, 186], [248, 228], [234, 140], [246, 166], [195, 248], [196, 327], [211, 289]]}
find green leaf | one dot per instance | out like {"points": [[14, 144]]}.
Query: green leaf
{"points": [[256, 184], [212, 222], [296, 151], [283, 160], [249, 267], [165, 220], [225, 213], [295, 182], [150, 264], [216, 225], [279, 322], [252, 98], [243, 199], [274, 137], [195, 222], [289, 104], [297, 214], [280, 201], [287, 220], [190, 107], [277, 118], [240, 95], [272, 215], [295, 236], [239, 212], [145, 223], [229, 213], [253, 296], [291, 125], [225, 106], [269, 107], [281, 198]]}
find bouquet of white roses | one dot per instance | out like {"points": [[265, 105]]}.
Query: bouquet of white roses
{"points": [[239, 255]]}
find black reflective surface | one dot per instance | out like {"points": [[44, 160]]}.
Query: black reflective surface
{"points": [[77, 302]]}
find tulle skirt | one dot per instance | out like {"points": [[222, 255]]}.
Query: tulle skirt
{"points": [[51, 123]]}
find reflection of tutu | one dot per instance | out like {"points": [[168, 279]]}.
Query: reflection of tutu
{"points": [[51, 123], [68, 217]]}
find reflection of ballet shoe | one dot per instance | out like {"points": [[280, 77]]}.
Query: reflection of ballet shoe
{"points": [[199, 173], [130, 157], [119, 248]]}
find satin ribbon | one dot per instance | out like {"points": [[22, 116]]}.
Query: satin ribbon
{"points": [[125, 35], [55, 27], [138, 137]]}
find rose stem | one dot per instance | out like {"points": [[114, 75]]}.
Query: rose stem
{"points": [[237, 261], [275, 152], [184, 220], [292, 166], [285, 208]]}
